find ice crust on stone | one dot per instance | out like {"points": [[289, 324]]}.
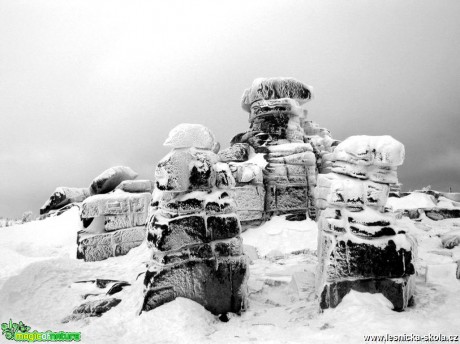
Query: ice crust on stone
{"points": [[276, 106], [338, 190], [63, 196], [276, 88], [379, 174], [136, 186], [115, 203], [188, 135], [370, 150], [173, 172], [109, 179]]}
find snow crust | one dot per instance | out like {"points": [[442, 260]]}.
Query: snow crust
{"points": [[412, 201], [281, 236], [188, 135], [370, 150]]}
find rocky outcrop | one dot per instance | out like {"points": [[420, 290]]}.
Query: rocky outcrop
{"points": [[360, 245], [120, 177], [114, 222], [63, 196], [94, 247], [194, 228], [295, 150]]}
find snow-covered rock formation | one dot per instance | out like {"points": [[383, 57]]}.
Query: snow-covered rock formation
{"points": [[63, 196], [115, 215], [193, 227], [292, 147], [360, 246]]}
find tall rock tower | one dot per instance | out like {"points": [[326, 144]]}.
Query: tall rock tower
{"points": [[361, 246]]}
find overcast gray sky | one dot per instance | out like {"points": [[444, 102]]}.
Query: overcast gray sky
{"points": [[85, 85]]}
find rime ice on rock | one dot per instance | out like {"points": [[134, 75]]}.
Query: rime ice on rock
{"points": [[293, 149], [63, 196], [276, 88], [359, 245], [109, 179], [193, 227], [188, 135], [115, 218]]}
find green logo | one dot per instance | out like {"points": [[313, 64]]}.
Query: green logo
{"points": [[21, 333]]}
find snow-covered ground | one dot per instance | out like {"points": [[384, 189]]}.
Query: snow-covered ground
{"points": [[38, 272]]}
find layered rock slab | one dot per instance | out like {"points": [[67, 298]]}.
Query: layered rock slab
{"points": [[115, 223]]}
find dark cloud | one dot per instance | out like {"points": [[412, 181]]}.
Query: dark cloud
{"points": [[90, 84]]}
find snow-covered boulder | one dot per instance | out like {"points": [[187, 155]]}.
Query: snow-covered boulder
{"points": [[370, 150], [109, 179], [63, 196], [135, 186], [237, 152], [188, 135]]}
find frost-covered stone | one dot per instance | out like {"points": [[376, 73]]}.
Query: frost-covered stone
{"points": [[186, 168], [250, 202], [115, 203], [441, 214], [220, 285], [114, 222], [275, 107], [379, 174], [100, 246], [221, 248], [194, 229], [350, 257], [246, 172], [304, 159], [276, 88], [286, 197], [360, 245], [176, 233], [451, 238], [370, 150], [237, 152], [341, 191], [109, 179], [188, 135], [399, 291], [92, 309], [224, 176], [290, 148], [216, 202], [135, 186], [63, 196]]}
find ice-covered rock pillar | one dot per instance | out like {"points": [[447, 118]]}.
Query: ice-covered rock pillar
{"points": [[193, 228], [277, 129], [360, 245]]}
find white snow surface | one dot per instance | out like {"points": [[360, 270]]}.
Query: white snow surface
{"points": [[282, 237], [39, 269], [412, 201]]}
